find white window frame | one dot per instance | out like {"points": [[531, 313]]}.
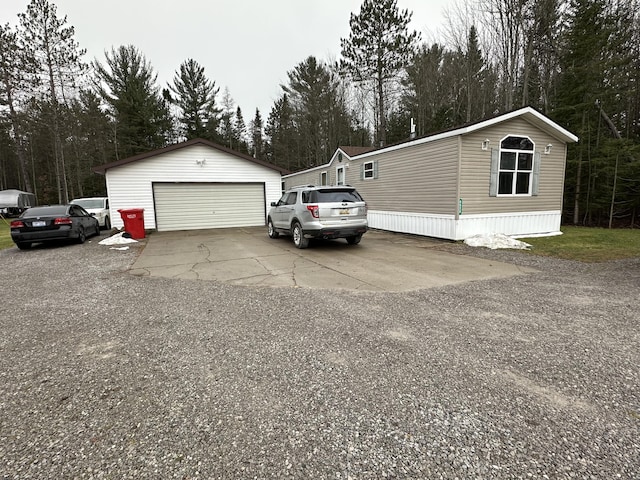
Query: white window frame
{"points": [[324, 178], [340, 170], [369, 173], [514, 172]]}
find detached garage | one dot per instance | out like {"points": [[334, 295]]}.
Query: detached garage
{"points": [[193, 185]]}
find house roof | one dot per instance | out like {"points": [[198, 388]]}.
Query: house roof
{"points": [[529, 114], [177, 146], [354, 151]]}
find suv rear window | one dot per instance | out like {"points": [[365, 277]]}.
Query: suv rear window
{"points": [[331, 195]]}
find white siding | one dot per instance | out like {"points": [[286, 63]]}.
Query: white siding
{"points": [[131, 185], [447, 226]]}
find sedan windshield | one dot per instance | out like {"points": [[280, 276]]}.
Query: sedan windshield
{"points": [[45, 211]]}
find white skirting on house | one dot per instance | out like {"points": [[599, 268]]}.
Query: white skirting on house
{"points": [[446, 226]]}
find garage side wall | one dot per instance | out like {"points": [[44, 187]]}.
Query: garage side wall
{"points": [[131, 185]]}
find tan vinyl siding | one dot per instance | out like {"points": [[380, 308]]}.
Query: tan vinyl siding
{"points": [[420, 178], [476, 166], [310, 177]]}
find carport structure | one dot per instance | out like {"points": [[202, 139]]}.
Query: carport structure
{"points": [[193, 185]]}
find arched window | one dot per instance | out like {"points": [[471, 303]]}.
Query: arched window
{"points": [[515, 173]]}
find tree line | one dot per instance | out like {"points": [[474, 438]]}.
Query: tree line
{"points": [[577, 61]]}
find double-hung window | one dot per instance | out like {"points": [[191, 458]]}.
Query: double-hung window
{"points": [[369, 170]]}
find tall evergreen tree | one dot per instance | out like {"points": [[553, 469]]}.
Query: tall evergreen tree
{"points": [[377, 49], [127, 83], [195, 96], [474, 69], [58, 64], [14, 65], [240, 132], [257, 137], [582, 83], [282, 149]]}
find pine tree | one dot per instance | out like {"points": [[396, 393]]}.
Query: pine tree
{"points": [[14, 65], [282, 135], [127, 83], [58, 64], [582, 83], [378, 48], [240, 132], [257, 138], [195, 96]]}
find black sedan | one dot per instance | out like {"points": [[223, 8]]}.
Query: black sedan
{"points": [[53, 222]]}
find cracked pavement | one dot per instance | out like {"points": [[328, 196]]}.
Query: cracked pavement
{"points": [[383, 261]]}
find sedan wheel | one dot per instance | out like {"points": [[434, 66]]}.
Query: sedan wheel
{"points": [[24, 245], [81, 235], [271, 230], [97, 228], [298, 236]]}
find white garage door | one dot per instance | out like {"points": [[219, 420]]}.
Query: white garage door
{"points": [[193, 206]]}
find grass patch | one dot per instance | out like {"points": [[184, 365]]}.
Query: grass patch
{"points": [[5, 235], [586, 244]]}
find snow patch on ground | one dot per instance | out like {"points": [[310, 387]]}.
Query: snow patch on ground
{"points": [[495, 241], [117, 239]]}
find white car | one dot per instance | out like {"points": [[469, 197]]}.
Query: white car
{"points": [[98, 207]]}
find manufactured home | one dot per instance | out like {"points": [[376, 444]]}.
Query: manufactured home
{"points": [[502, 175]]}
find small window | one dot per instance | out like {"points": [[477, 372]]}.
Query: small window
{"points": [[368, 171], [340, 176], [323, 178]]}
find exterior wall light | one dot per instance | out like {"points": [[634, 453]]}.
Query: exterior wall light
{"points": [[485, 144], [201, 162], [547, 149]]}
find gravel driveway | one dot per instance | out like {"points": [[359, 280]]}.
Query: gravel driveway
{"points": [[109, 375]]}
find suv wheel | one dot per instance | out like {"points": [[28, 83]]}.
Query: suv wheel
{"points": [[354, 240], [271, 230], [298, 236]]}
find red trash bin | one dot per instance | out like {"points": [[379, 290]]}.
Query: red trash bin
{"points": [[133, 219]]}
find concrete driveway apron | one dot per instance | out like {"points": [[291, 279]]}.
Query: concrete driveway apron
{"points": [[383, 261]]}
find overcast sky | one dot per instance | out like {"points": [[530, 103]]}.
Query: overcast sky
{"points": [[245, 45]]}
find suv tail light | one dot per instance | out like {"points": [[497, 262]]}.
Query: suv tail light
{"points": [[315, 212], [62, 221], [17, 224]]}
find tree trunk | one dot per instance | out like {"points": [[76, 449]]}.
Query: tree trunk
{"points": [[22, 160], [382, 120]]}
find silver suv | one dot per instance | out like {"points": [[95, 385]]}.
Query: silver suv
{"points": [[318, 212]]}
